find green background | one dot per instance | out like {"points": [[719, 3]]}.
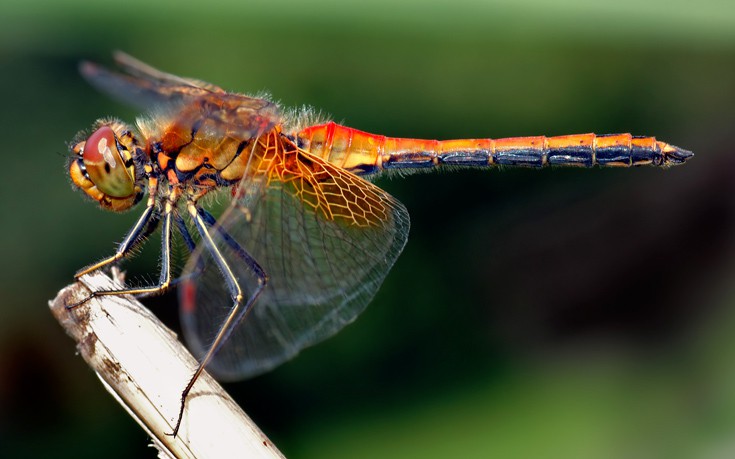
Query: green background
{"points": [[546, 314]]}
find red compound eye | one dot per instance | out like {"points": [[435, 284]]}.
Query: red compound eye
{"points": [[105, 165], [99, 147]]}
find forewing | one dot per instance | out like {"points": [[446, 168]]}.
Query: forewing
{"points": [[138, 89], [144, 71], [147, 88], [326, 239]]}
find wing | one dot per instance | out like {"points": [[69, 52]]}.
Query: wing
{"points": [[144, 71], [325, 237], [147, 88]]}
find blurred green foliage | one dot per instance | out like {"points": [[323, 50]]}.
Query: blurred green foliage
{"points": [[545, 314]]}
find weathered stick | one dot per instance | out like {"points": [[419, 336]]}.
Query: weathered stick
{"points": [[144, 366]]}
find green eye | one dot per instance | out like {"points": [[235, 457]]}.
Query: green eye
{"points": [[106, 166]]}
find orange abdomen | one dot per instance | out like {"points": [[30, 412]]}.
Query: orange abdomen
{"points": [[364, 153]]}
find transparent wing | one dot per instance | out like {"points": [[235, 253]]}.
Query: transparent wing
{"points": [[325, 237], [144, 71], [145, 87]]}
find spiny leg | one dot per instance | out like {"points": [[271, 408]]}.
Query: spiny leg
{"points": [[164, 281], [133, 239], [239, 310], [190, 246], [146, 225], [241, 253], [184, 231]]}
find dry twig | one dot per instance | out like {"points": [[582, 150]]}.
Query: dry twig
{"points": [[144, 366]]}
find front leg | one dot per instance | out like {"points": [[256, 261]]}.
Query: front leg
{"points": [[164, 281], [146, 225]]}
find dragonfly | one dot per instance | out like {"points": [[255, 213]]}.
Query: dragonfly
{"points": [[306, 238]]}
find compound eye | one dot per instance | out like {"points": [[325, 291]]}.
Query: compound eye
{"points": [[105, 164]]}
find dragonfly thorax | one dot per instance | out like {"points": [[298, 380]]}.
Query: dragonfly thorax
{"points": [[103, 166]]}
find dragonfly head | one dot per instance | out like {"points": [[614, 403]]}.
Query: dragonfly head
{"points": [[103, 166]]}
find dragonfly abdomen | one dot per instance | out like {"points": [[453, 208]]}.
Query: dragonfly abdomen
{"points": [[581, 150], [364, 153]]}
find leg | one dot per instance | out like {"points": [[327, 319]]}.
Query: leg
{"points": [[239, 310], [131, 240], [146, 224], [190, 246], [184, 233], [243, 255], [164, 281]]}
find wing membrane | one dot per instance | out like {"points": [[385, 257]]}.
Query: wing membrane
{"points": [[147, 88], [144, 71], [325, 237]]}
